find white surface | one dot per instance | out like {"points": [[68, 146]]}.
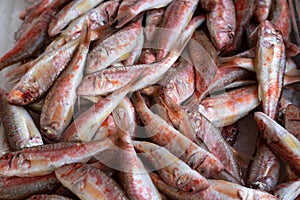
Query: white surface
{"points": [[9, 23]]}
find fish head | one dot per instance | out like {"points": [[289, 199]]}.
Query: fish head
{"points": [[192, 182], [223, 39], [269, 34], [6, 161]]}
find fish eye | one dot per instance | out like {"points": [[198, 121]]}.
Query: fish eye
{"points": [[7, 156]]}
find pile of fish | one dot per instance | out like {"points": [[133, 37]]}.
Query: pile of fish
{"points": [[143, 99]]}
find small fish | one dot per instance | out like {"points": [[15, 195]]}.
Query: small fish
{"points": [[20, 129], [129, 9], [84, 127], [117, 47], [228, 108], [269, 64], [38, 79], [164, 135], [44, 159], [89, 183], [70, 12], [264, 171], [22, 187], [221, 24], [30, 42], [59, 103], [288, 191], [281, 142], [171, 169]]}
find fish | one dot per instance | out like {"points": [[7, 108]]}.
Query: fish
{"points": [[288, 191], [204, 59], [239, 103], [153, 20], [117, 47], [19, 127], [262, 10], [4, 145], [264, 171], [269, 64], [164, 135], [177, 16], [171, 169], [39, 78], [221, 24], [292, 120], [70, 12], [281, 18], [284, 144], [44, 159], [129, 9], [23, 187], [92, 118], [89, 183], [57, 111], [30, 42], [244, 10]]}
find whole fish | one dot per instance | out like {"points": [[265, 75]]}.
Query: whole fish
{"points": [[288, 191], [221, 24], [44, 159], [281, 142], [129, 9], [225, 109], [59, 104], [70, 12], [264, 171], [269, 64], [89, 183], [117, 47], [262, 10], [41, 75], [84, 127], [164, 135], [48, 197], [30, 42], [22, 187], [19, 128], [176, 17], [171, 169]]}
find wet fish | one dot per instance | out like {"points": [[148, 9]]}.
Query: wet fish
{"points": [[281, 142], [171, 169], [153, 20], [22, 187], [117, 47], [164, 135], [70, 12], [239, 103], [288, 191], [44, 159], [19, 128], [89, 183], [221, 24], [30, 42], [59, 104], [269, 65], [41, 75], [129, 9], [262, 10]]}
